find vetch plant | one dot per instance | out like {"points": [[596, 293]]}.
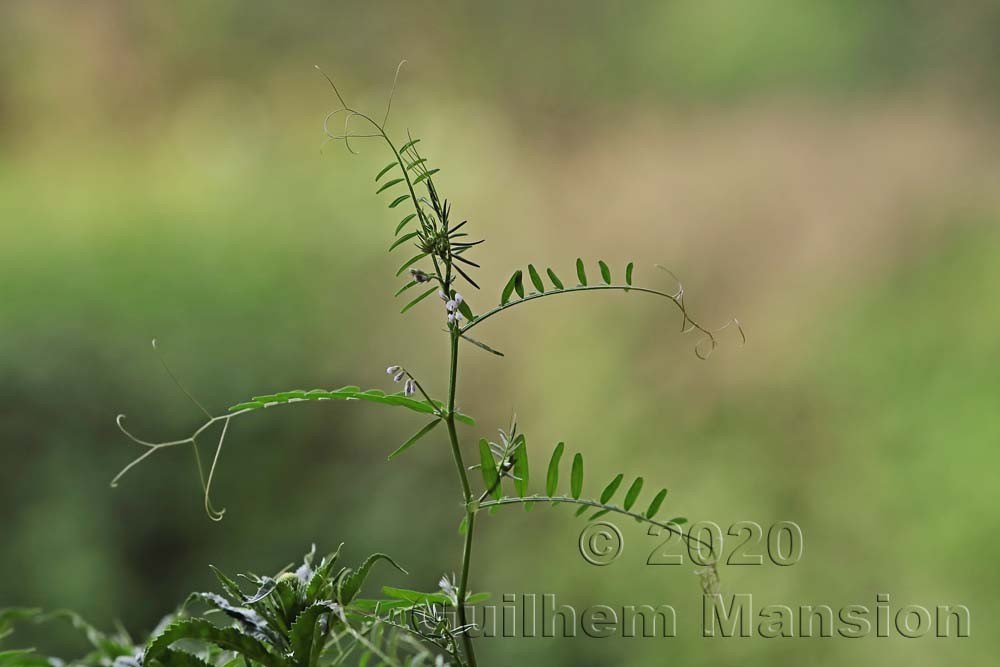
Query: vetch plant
{"points": [[311, 616]]}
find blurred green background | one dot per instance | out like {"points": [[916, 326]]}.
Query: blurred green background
{"points": [[828, 171]]}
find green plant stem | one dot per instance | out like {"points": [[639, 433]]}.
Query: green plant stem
{"points": [[463, 586], [470, 516]]}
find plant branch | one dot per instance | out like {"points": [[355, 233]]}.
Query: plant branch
{"points": [[677, 299], [669, 526]]}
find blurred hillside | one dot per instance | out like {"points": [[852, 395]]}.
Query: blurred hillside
{"points": [[826, 171]]}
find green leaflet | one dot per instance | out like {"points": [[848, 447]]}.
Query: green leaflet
{"points": [[402, 239], [491, 478], [520, 470], [385, 170], [519, 284], [654, 506], [320, 584], [403, 222], [610, 489], [351, 583], [231, 587], [413, 439], [628, 273], [552, 477], [416, 163], [408, 145], [576, 477], [481, 345], [418, 300], [466, 311], [289, 395], [509, 287], [633, 493], [536, 279], [169, 658], [265, 589], [605, 272], [410, 262], [398, 200], [554, 278], [581, 273], [229, 639], [424, 176], [405, 287], [388, 184], [303, 634], [416, 597]]}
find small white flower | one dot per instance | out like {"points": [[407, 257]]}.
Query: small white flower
{"points": [[399, 376], [409, 388], [458, 298], [451, 305], [392, 370], [451, 318], [444, 297]]}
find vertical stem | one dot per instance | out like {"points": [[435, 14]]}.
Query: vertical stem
{"points": [[463, 586], [470, 517]]}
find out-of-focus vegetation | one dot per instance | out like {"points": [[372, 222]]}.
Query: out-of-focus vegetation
{"points": [[828, 171]]}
